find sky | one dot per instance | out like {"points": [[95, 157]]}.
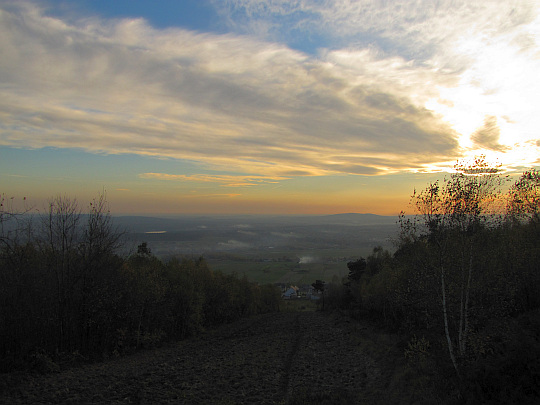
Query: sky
{"points": [[261, 107]]}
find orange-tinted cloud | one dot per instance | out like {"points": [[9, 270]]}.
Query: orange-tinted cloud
{"points": [[223, 180]]}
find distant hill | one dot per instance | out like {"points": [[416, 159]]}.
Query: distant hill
{"points": [[358, 219], [136, 223]]}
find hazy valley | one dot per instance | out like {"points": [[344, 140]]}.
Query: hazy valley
{"points": [[267, 249]]}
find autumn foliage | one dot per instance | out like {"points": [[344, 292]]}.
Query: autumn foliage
{"points": [[462, 286]]}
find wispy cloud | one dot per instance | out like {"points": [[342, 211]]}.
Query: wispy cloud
{"points": [[250, 105], [212, 196], [223, 180], [418, 29], [464, 60]]}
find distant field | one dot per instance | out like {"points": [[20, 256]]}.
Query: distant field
{"points": [[291, 250], [282, 272]]}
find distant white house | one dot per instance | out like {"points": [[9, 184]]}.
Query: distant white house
{"points": [[291, 293]]}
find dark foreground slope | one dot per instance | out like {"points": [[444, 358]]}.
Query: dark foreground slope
{"points": [[283, 358]]}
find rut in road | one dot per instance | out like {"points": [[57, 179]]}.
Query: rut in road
{"points": [[281, 358], [297, 332]]}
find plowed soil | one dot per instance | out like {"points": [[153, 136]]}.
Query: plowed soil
{"points": [[281, 358]]}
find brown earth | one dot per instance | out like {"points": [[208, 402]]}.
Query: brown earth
{"points": [[282, 358]]}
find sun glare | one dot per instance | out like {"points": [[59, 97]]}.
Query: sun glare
{"points": [[495, 89]]}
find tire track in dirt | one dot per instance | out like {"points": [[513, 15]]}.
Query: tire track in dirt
{"points": [[270, 359], [290, 359]]}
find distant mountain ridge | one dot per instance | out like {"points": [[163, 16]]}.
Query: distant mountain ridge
{"points": [[143, 223], [360, 219]]}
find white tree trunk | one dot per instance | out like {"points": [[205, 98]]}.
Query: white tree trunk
{"points": [[446, 328]]}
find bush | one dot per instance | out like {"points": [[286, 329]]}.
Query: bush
{"points": [[40, 362]]}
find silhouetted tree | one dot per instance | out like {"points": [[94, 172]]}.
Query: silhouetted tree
{"points": [[356, 269], [450, 217], [143, 250], [320, 285], [524, 197], [64, 289]]}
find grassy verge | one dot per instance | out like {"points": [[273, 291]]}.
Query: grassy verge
{"points": [[409, 380], [282, 272], [297, 305]]}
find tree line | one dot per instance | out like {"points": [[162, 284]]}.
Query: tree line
{"points": [[463, 285], [66, 294]]}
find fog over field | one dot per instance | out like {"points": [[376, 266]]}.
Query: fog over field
{"points": [[265, 248], [203, 235]]}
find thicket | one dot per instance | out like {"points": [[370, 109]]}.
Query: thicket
{"points": [[462, 287], [67, 295]]}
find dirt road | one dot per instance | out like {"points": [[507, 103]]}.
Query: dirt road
{"points": [[283, 358]]}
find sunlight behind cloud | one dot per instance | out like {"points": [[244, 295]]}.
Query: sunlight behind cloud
{"points": [[291, 90], [499, 84], [463, 60]]}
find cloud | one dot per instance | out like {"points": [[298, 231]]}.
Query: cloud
{"points": [[121, 86], [417, 29], [243, 103], [488, 135], [224, 180], [482, 57]]}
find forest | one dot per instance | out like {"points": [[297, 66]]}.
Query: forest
{"points": [[461, 289], [66, 295]]}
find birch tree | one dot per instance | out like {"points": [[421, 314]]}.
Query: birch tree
{"points": [[449, 217], [524, 197]]}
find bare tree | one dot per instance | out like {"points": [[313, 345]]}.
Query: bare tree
{"points": [[61, 234], [14, 224], [78, 248]]}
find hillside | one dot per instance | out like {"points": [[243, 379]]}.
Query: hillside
{"points": [[284, 358]]}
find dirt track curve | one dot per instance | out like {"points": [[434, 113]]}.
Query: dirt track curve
{"points": [[283, 358]]}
